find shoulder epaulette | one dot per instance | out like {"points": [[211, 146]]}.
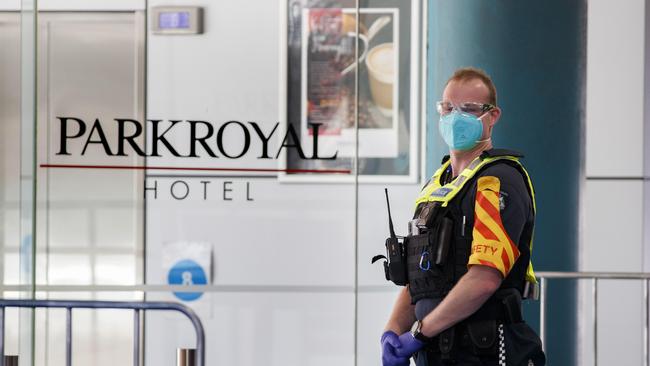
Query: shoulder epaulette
{"points": [[493, 153]]}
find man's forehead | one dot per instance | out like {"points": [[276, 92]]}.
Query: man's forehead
{"points": [[466, 90]]}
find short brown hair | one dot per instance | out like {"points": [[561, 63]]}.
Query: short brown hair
{"points": [[469, 73]]}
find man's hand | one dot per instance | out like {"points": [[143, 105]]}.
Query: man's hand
{"points": [[390, 342], [409, 345]]}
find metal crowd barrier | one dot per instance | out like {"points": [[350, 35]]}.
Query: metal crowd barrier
{"points": [[137, 308], [594, 277]]}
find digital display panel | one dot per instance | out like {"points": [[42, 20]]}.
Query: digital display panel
{"points": [[174, 20]]}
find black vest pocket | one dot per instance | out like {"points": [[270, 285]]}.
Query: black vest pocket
{"points": [[425, 278]]}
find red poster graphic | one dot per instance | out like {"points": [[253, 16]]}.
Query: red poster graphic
{"points": [[329, 52]]}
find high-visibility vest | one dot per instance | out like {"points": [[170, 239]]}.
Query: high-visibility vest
{"points": [[444, 194]]}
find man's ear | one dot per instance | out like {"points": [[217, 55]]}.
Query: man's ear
{"points": [[496, 114]]}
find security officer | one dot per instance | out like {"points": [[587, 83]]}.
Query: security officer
{"points": [[466, 261]]}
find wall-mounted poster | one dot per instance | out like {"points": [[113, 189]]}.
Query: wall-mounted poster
{"points": [[345, 67]]}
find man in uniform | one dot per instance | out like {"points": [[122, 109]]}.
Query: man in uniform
{"points": [[467, 256]]}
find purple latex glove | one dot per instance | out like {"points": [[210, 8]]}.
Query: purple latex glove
{"points": [[389, 343], [409, 345]]}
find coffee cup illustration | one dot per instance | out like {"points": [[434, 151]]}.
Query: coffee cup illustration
{"points": [[364, 35], [380, 62]]}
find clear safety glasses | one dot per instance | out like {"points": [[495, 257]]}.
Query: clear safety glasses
{"points": [[474, 108]]}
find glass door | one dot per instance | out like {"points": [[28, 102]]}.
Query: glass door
{"points": [[239, 150]]}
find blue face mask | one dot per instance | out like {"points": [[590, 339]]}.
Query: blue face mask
{"points": [[461, 131]]}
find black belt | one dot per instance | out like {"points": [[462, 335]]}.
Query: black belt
{"points": [[479, 338], [478, 333]]}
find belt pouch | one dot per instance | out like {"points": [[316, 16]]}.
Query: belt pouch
{"points": [[522, 346], [512, 307], [446, 343], [483, 335]]}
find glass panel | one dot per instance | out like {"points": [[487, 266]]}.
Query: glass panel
{"points": [[273, 229], [90, 69], [389, 81], [244, 149], [273, 234], [17, 80], [10, 167], [90, 199]]}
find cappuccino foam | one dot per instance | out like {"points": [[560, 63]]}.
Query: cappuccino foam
{"points": [[382, 62]]}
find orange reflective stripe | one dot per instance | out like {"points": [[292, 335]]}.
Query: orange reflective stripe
{"points": [[486, 263], [488, 229], [485, 232], [489, 201], [496, 226], [506, 260]]}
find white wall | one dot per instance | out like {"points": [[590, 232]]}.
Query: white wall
{"points": [[90, 5], [615, 176], [10, 5], [74, 5]]}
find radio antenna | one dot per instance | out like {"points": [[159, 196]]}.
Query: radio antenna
{"points": [[390, 220]]}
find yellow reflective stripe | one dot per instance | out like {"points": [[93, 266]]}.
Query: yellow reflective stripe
{"points": [[478, 161], [433, 185], [460, 181], [447, 192], [530, 273], [434, 182]]}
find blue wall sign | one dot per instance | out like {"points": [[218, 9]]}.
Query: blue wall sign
{"points": [[187, 272]]}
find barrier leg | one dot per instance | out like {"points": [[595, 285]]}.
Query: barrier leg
{"points": [[2, 336], [136, 337], [185, 357], [68, 337]]}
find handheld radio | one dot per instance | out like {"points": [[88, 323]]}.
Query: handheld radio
{"points": [[395, 264]]}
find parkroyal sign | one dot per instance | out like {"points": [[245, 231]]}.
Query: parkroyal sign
{"points": [[186, 139], [204, 139]]}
